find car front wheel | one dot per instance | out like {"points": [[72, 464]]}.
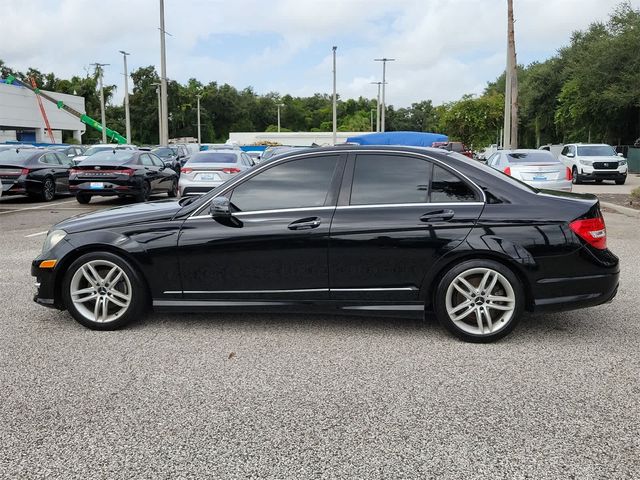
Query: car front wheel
{"points": [[103, 292], [479, 301], [575, 178]]}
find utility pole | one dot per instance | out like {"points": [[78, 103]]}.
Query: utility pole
{"points": [[102, 114], [377, 106], [383, 106], [157, 85], [335, 107], [279, 105], [510, 140], [199, 136], [127, 119], [371, 121], [164, 137]]}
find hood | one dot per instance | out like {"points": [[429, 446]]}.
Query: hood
{"points": [[117, 216]]}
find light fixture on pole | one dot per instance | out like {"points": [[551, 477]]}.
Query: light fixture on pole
{"points": [[199, 136], [157, 85], [127, 119], [335, 98], [383, 106], [102, 114], [377, 106], [279, 105], [164, 137]]}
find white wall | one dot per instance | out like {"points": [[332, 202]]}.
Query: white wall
{"points": [[291, 138], [19, 108]]}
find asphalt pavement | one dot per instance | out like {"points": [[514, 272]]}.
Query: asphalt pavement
{"points": [[302, 396]]}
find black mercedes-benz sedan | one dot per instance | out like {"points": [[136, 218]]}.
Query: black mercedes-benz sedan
{"points": [[361, 230], [35, 172], [125, 173]]}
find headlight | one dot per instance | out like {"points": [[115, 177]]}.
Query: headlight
{"points": [[622, 163], [53, 238], [586, 162]]}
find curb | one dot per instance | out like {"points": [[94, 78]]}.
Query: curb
{"points": [[629, 212]]}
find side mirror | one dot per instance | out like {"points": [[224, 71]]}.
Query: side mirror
{"points": [[570, 155], [220, 207], [620, 154]]}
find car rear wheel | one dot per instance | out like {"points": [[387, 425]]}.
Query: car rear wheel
{"points": [[83, 198], [575, 178], [479, 301], [145, 192], [48, 192], [173, 191], [103, 292]]}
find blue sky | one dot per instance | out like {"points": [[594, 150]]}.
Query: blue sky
{"points": [[444, 48]]}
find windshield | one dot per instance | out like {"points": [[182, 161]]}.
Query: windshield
{"points": [[596, 151], [120, 156], [163, 152], [532, 157], [213, 157], [93, 150], [15, 158]]}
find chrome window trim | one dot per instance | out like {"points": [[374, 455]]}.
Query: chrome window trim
{"points": [[393, 205], [282, 210], [262, 167]]}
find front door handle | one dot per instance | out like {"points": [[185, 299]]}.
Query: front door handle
{"points": [[437, 215], [305, 224]]}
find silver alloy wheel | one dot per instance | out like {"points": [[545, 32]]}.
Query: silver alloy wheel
{"points": [[480, 301], [101, 291]]}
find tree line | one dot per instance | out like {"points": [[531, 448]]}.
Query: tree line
{"points": [[588, 91]]}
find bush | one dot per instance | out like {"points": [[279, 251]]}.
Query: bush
{"points": [[635, 193]]}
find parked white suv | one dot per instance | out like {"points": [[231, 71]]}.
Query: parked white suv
{"points": [[594, 161]]}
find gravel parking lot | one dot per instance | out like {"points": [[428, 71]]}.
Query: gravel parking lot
{"points": [[295, 396]]}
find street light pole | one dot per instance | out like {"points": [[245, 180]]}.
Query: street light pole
{"points": [[371, 120], [377, 106], [279, 105], [127, 119], [102, 114], [383, 106], [199, 136], [335, 107], [164, 139], [157, 85]]}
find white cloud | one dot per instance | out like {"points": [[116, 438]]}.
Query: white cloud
{"points": [[444, 48]]}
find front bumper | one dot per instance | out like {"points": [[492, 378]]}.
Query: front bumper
{"points": [[48, 280], [590, 173]]}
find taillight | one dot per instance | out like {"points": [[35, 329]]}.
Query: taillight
{"points": [[186, 170], [591, 230], [73, 171], [24, 171], [231, 170], [508, 171], [568, 175], [125, 171]]}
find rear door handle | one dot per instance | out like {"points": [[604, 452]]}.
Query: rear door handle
{"points": [[437, 215], [305, 224]]}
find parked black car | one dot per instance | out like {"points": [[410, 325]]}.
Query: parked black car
{"points": [[125, 173], [360, 230], [36, 172], [172, 156], [69, 151]]}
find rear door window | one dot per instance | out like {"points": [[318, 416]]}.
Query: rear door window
{"points": [[389, 179], [448, 187]]}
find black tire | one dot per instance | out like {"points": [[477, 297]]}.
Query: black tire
{"points": [[575, 178], [173, 191], [145, 192], [621, 182], [48, 191], [598, 180], [139, 296], [83, 198], [440, 302]]}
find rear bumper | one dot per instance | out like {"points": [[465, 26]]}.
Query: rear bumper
{"points": [[579, 292], [109, 188], [564, 185], [196, 188]]}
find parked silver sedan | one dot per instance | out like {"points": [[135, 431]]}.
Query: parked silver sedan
{"points": [[207, 169], [538, 168]]}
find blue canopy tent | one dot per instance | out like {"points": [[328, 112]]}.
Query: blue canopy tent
{"points": [[409, 139]]}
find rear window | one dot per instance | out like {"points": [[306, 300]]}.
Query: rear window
{"points": [[16, 158], [529, 157], [163, 152], [213, 157], [120, 156]]}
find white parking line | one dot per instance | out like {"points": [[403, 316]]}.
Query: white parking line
{"points": [[36, 234], [48, 205]]}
